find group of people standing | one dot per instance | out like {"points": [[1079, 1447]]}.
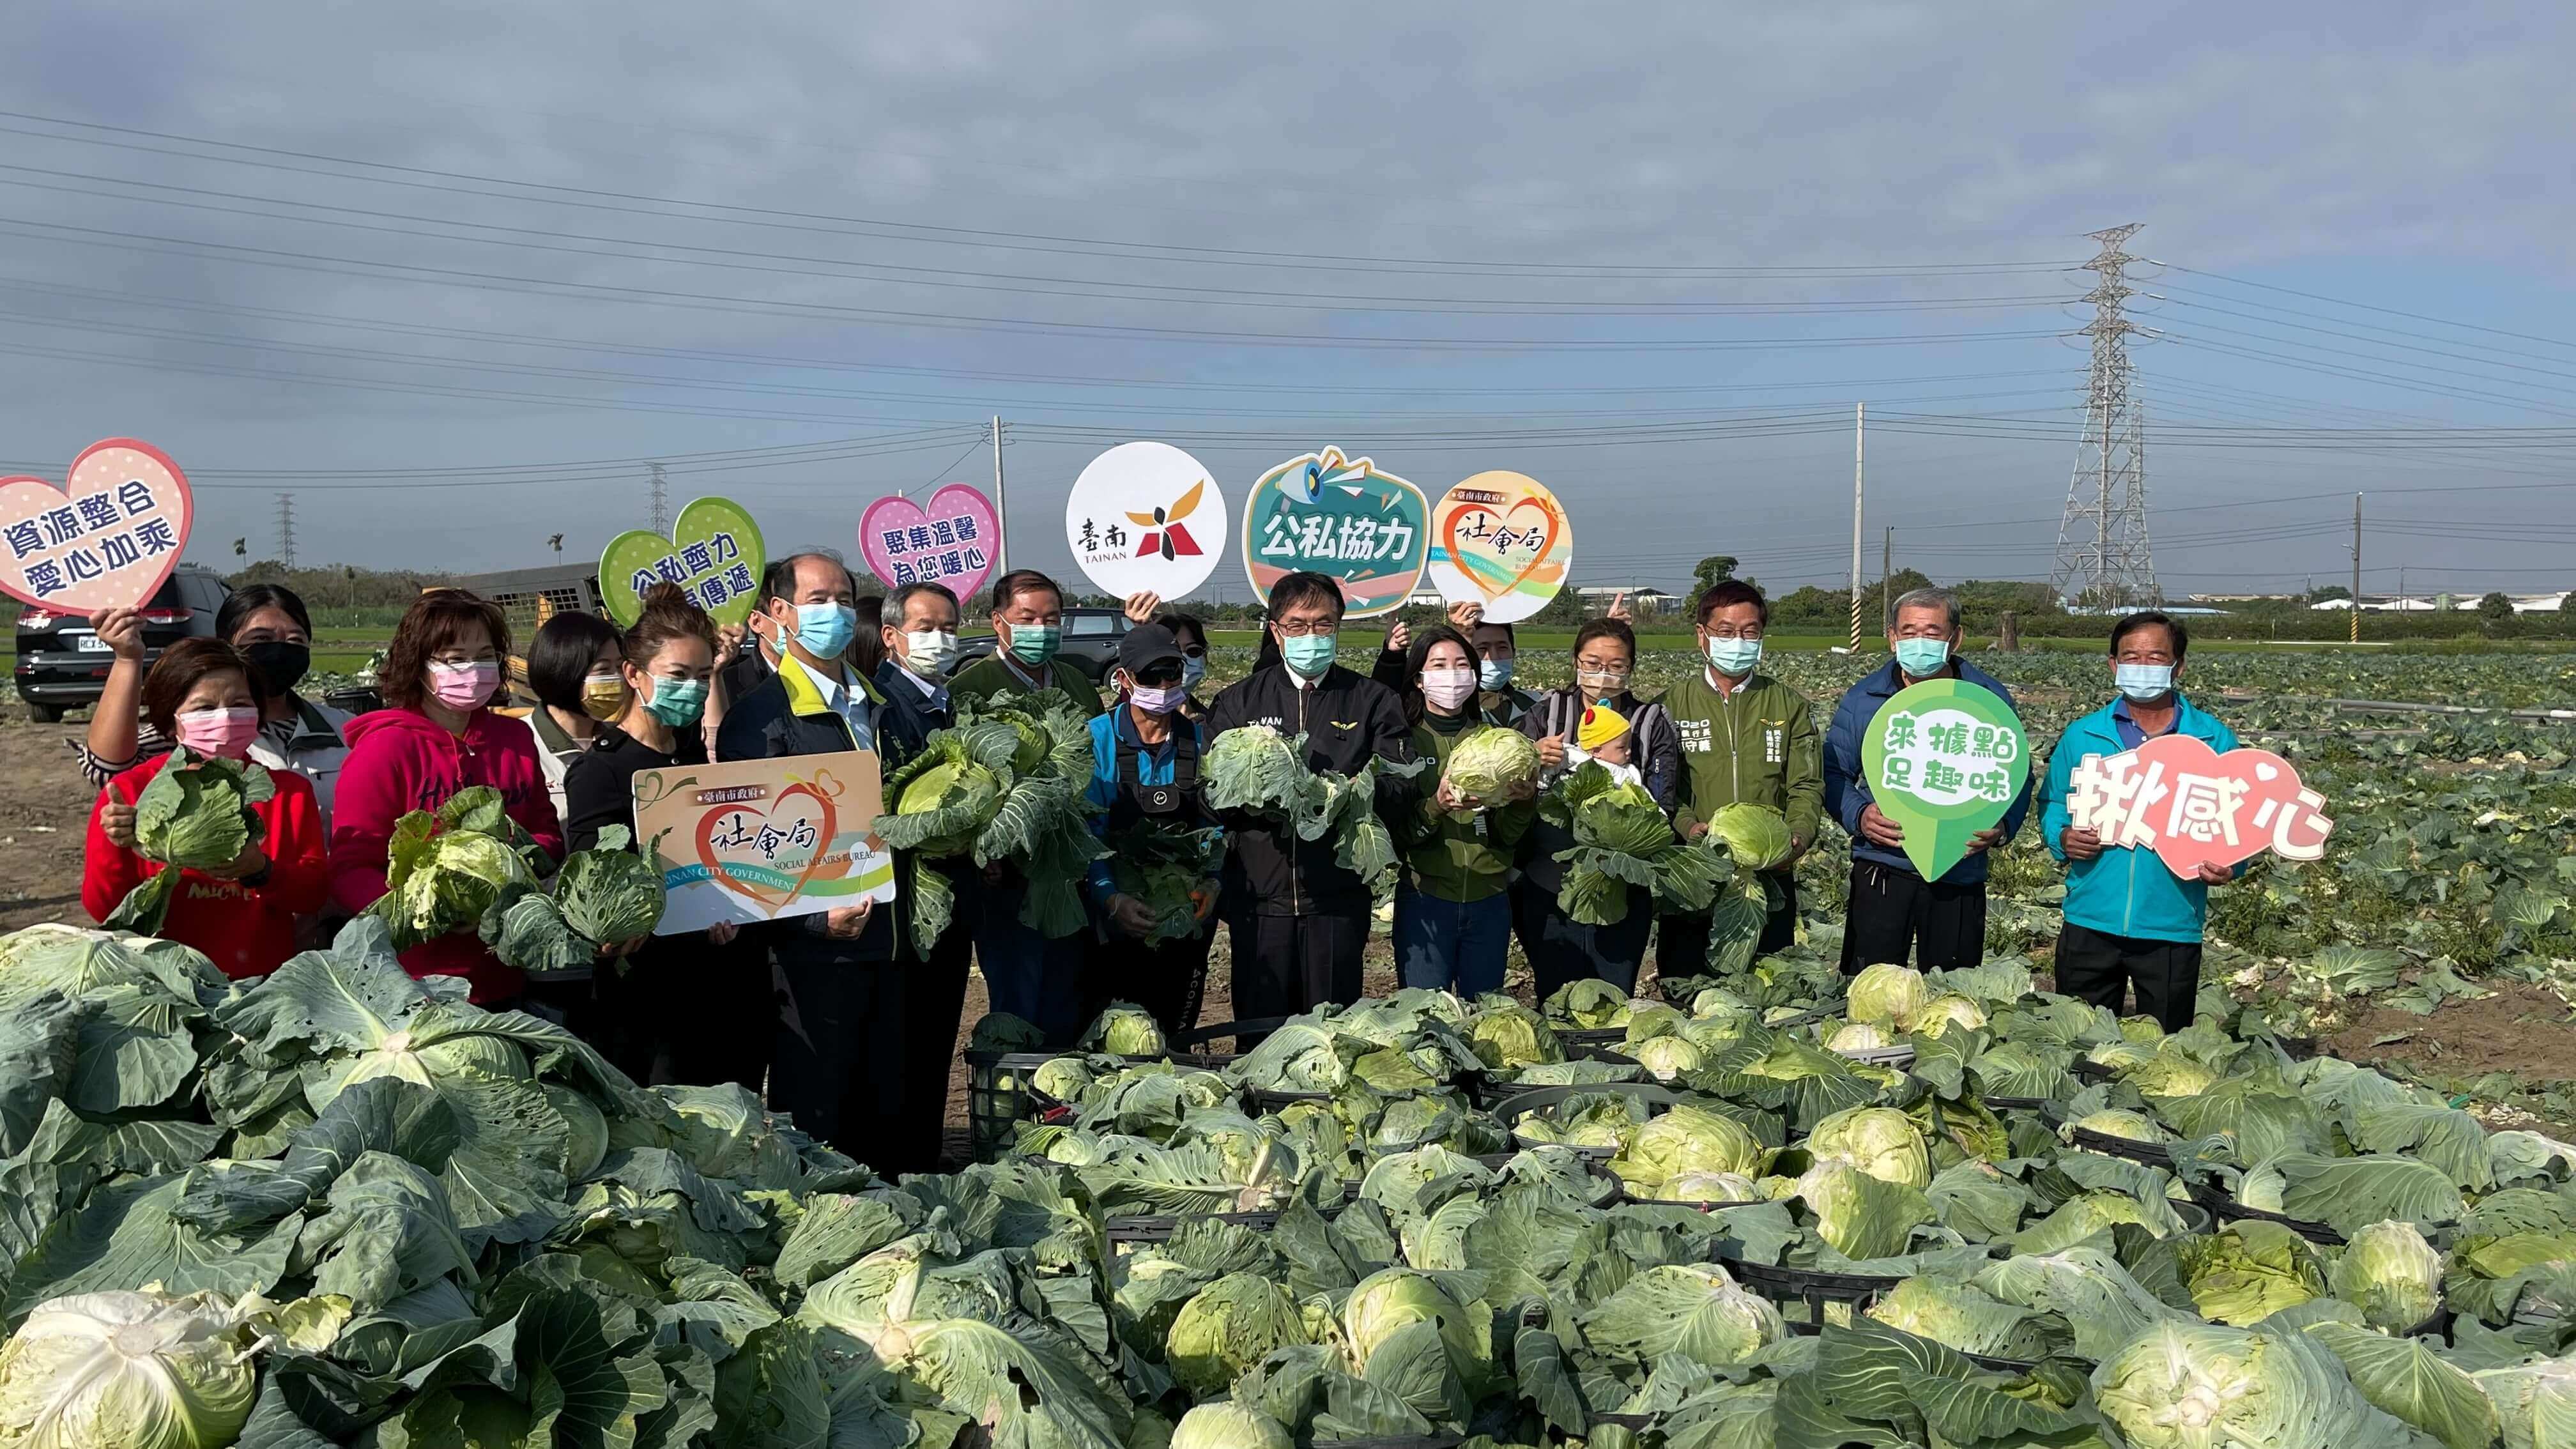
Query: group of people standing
{"points": [[851, 1020]]}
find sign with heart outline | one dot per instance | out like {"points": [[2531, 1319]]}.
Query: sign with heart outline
{"points": [[714, 553], [105, 539], [1146, 517], [1500, 540], [2193, 806], [763, 840], [1944, 759], [952, 539], [1343, 517]]}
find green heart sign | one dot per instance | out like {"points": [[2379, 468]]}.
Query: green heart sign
{"points": [[713, 552], [1944, 759]]}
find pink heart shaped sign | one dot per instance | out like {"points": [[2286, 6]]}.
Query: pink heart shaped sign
{"points": [[2193, 806], [952, 540], [105, 539]]}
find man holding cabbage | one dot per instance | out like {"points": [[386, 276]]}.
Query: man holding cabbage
{"points": [[1894, 910]]}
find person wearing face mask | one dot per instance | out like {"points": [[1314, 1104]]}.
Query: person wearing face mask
{"points": [[1896, 915], [919, 640], [1190, 633], [842, 1033], [435, 737], [2130, 921], [1561, 949], [577, 675], [665, 663], [1453, 918], [1028, 630], [242, 915], [1297, 920], [1145, 769], [268, 624], [1746, 738]]}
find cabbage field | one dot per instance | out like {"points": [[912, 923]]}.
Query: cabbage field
{"points": [[339, 1206]]}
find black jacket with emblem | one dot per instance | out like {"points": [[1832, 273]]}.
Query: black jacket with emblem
{"points": [[1346, 718]]}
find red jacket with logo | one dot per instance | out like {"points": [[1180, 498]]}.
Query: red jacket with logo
{"points": [[246, 930], [400, 761]]}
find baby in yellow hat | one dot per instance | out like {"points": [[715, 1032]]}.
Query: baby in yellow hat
{"points": [[1605, 738]]}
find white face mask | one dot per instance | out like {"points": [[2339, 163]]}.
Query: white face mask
{"points": [[929, 652]]}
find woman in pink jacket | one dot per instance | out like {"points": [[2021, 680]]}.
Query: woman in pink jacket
{"points": [[435, 738]]}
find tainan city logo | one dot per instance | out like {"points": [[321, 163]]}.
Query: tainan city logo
{"points": [[1164, 532]]}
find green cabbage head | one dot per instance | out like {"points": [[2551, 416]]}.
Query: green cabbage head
{"points": [[1512, 1036], [1125, 1031], [1229, 1326], [1062, 1078], [1859, 1036], [1230, 1426], [587, 1145], [1489, 762], [1687, 1139], [126, 1371], [1667, 1057], [1880, 1141], [1886, 993], [1757, 836], [1588, 1004], [1962, 1316], [2392, 1275], [1705, 1187], [2185, 1385], [1393, 1299], [1941, 1013], [2119, 1122]]}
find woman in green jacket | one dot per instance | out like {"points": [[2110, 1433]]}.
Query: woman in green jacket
{"points": [[1453, 914]]}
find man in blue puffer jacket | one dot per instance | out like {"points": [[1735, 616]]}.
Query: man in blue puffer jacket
{"points": [[1894, 911], [2128, 918]]}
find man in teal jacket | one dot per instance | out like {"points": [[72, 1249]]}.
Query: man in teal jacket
{"points": [[2128, 918]]}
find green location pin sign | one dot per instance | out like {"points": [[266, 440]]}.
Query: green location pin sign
{"points": [[1944, 759], [713, 552]]}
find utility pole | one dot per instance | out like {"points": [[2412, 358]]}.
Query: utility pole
{"points": [[2356, 568], [286, 529], [661, 501], [1001, 506], [2102, 552], [1887, 583], [1860, 427]]}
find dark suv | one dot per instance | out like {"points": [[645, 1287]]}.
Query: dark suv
{"points": [[1090, 642], [62, 665]]}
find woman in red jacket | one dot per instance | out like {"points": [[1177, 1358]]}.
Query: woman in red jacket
{"points": [[242, 916], [436, 738]]}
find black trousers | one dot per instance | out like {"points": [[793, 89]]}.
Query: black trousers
{"points": [[843, 1040], [1284, 965], [2098, 967], [1681, 948], [1168, 978], [934, 1002], [1896, 915], [1561, 949]]}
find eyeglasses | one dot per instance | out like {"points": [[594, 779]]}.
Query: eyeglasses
{"points": [[1729, 631], [1194, 651], [1299, 628]]}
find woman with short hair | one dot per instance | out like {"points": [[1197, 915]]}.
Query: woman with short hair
{"points": [[574, 670]]}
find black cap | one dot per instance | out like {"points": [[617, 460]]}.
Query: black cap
{"points": [[1147, 645]]}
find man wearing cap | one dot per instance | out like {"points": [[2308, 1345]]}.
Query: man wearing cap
{"points": [[1145, 783]]}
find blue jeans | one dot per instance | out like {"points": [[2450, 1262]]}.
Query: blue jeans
{"points": [[1027, 975], [1448, 945]]}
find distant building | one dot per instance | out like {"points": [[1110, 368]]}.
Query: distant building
{"points": [[2540, 603], [1641, 602]]}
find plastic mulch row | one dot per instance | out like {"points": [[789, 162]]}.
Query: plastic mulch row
{"points": [[1817, 1289], [2018, 1104], [2228, 1210], [2153, 1154]]}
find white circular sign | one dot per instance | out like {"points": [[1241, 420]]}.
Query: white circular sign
{"points": [[1146, 516]]}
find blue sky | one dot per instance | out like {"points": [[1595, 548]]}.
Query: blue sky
{"points": [[451, 273]]}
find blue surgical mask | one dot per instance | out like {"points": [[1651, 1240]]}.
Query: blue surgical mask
{"points": [[677, 702], [1922, 658], [825, 629], [1495, 674], [1193, 669], [1035, 644], [1309, 654], [2144, 683], [1734, 657]]}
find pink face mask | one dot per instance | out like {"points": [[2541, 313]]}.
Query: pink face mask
{"points": [[223, 733], [464, 686], [1448, 688]]}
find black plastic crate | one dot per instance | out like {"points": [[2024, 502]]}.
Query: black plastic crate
{"points": [[2227, 1210]]}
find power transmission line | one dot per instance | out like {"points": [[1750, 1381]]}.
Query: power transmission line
{"points": [[2107, 496], [661, 500], [286, 530]]}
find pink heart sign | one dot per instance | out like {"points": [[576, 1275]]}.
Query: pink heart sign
{"points": [[105, 539], [2192, 806], [951, 540]]}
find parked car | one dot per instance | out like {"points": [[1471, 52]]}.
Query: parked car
{"points": [[1090, 642], [62, 665]]}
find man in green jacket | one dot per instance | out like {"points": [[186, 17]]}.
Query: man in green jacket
{"points": [[1746, 739], [1028, 630]]}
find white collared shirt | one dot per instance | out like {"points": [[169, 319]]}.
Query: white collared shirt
{"points": [[850, 704], [931, 689]]}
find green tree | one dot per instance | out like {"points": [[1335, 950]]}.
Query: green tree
{"points": [[1713, 570], [2495, 608], [2330, 591], [2567, 602]]}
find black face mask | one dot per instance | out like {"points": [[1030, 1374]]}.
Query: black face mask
{"points": [[281, 665]]}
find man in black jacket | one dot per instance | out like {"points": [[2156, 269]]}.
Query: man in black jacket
{"points": [[1297, 920], [920, 639], [842, 1028]]}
